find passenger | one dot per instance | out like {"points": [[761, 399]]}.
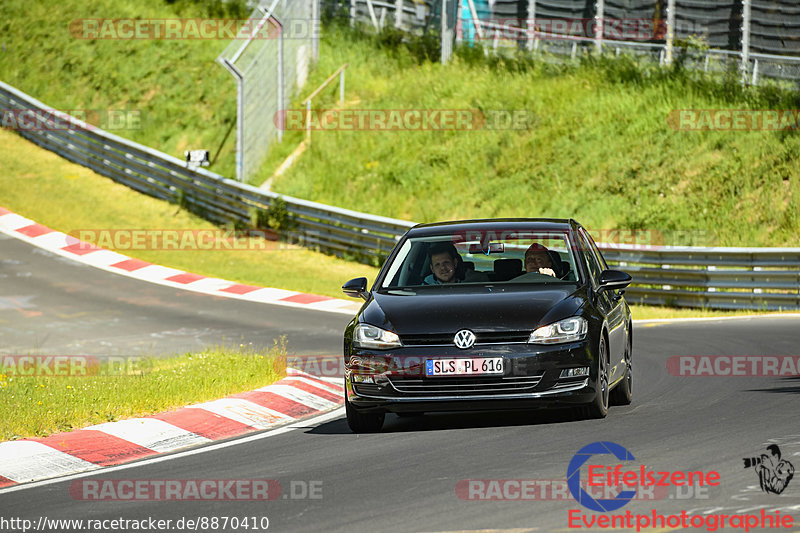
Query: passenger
{"points": [[448, 267], [538, 260], [445, 263]]}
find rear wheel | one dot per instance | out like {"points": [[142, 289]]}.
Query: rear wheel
{"points": [[362, 422], [623, 392], [599, 407]]}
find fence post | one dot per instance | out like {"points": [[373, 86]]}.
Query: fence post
{"points": [[531, 25], [353, 12], [599, 30], [476, 20], [745, 67], [341, 88], [372, 16], [281, 81], [443, 13], [316, 23], [308, 120], [398, 14], [670, 30]]}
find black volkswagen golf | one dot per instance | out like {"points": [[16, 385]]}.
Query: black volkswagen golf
{"points": [[489, 314]]}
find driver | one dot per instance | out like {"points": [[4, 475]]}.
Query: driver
{"points": [[538, 260]]}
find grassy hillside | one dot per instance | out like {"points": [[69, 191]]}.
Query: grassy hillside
{"points": [[40, 185], [184, 98], [599, 148]]}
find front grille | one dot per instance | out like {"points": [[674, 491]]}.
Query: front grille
{"points": [[486, 337], [466, 386]]}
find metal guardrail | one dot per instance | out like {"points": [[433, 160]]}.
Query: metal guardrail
{"points": [[717, 278], [216, 198], [727, 278]]}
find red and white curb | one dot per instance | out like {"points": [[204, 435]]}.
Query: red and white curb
{"points": [[299, 395], [68, 246]]}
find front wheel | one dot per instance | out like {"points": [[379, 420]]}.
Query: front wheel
{"points": [[599, 407], [362, 422]]}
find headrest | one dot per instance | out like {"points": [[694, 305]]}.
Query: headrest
{"points": [[507, 268]]}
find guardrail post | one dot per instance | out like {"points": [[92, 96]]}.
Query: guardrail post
{"points": [[353, 13], [711, 268]]}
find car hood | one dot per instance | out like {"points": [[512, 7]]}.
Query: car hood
{"points": [[479, 309]]}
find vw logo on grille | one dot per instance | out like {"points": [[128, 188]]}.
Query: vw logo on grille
{"points": [[464, 339]]}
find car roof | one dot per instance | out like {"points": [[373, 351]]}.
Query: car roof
{"points": [[494, 224]]}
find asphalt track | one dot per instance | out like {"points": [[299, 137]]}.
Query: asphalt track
{"points": [[406, 478], [51, 305]]}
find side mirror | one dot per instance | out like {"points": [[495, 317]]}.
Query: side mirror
{"points": [[613, 279], [356, 288]]}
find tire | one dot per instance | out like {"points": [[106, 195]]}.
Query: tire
{"points": [[599, 407], [623, 392], [362, 422]]}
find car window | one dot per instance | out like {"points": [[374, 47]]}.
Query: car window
{"points": [[482, 258], [595, 250], [590, 259]]}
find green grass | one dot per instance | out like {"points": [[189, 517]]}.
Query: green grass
{"points": [[185, 99], [67, 197], [600, 149], [36, 406]]}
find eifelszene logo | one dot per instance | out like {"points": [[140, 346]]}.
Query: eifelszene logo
{"points": [[574, 476], [774, 473], [623, 476]]}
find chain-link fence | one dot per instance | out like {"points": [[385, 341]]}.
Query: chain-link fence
{"points": [[759, 37], [269, 58]]}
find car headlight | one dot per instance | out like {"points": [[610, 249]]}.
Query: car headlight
{"points": [[367, 336], [567, 330]]}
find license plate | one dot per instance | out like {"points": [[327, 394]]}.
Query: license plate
{"points": [[474, 366]]}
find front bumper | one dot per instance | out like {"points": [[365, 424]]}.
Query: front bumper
{"points": [[531, 379]]}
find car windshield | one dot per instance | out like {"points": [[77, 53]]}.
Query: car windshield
{"points": [[483, 258]]}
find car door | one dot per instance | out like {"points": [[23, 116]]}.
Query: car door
{"points": [[610, 304]]}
